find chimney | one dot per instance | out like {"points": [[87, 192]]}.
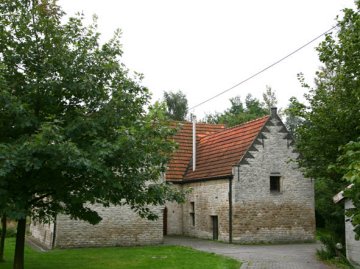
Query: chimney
{"points": [[193, 118], [273, 112]]}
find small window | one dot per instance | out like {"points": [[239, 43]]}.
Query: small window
{"points": [[274, 184], [192, 213]]}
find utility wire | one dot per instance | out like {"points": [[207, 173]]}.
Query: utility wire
{"points": [[263, 70]]}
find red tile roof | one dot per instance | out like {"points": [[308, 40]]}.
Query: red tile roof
{"points": [[217, 152], [181, 158]]}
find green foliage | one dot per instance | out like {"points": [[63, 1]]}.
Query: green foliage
{"points": [[348, 164], [176, 105], [239, 112], [329, 250], [332, 118], [155, 257], [74, 130], [330, 253], [269, 97], [10, 232], [294, 116]]}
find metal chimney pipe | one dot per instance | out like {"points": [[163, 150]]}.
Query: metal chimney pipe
{"points": [[193, 118]]}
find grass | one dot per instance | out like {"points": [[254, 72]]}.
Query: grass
{"points": [[154, 257]]}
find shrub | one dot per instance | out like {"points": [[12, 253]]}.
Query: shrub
{"points": [[10, 232], [329, 250]]}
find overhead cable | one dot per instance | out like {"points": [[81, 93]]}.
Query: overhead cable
{"points": [[264, 69]]}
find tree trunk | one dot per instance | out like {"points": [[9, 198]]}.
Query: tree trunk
{"points": [[20, 244], [2, 239]]}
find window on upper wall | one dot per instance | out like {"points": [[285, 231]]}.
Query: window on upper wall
{"points": [[275, 184], [192, 213]]}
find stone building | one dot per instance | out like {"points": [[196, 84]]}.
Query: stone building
{"points": [[243, 183]]}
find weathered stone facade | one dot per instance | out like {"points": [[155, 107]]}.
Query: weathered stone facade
{"points": [[43, 232], [174, 221], [206, 200], [262, 215], [259, 213], [245, 188], [120, 227]]}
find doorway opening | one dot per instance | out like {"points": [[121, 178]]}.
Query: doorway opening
{"points": [[165, 221], [215, 227]]}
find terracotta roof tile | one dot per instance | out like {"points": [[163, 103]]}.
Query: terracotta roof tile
{"points": [[181, 158], [218, 153], [218, 149]]}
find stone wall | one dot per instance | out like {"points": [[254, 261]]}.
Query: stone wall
{"points": [[210, 198], [352, 245], [174, 217], [43, 232], [120, 226], [261, 215]]}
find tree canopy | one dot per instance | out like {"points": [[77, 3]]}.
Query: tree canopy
{"points": [[240, 112], [331, 119], [74, 129], [348, 164], [176, 105]]}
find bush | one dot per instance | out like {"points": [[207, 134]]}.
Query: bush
{"points": [[329, 250], [10, 232]]}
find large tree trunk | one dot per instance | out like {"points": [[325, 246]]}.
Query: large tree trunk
{"points": [[3, 235], [20, 244]]}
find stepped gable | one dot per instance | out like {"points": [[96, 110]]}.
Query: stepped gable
{"points": [[180, 159], [219, 152]]}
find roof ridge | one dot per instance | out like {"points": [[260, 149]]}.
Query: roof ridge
{"points": [[203, 123], [247, 122], [233, 127]]}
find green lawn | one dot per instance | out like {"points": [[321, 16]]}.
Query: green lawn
{"points": [[154, 257]]}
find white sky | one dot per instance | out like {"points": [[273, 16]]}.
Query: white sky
{"points": [[203, 47]]}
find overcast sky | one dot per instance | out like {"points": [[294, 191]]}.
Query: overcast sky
{"points": [[203, 47]]}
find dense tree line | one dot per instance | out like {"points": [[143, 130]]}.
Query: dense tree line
{"points": [[240, 112]]}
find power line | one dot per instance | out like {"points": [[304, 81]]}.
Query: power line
{"points": [[264, 69]]}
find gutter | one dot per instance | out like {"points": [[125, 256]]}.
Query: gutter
{"points": [[54, 234], [230, 209], [200, 179]]}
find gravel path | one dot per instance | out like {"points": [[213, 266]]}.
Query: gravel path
{"points": [[288, 256]]}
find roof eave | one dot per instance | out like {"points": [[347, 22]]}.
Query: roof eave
{"points": [[340, 196], [192, 180]]}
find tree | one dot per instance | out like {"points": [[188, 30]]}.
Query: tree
{"points": [[2, 238], [348, 164], [269, 97], [74, 131], [255, 107], [332, 118], [294, 118], [240, 112], [177, 105], [3, 193]]}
